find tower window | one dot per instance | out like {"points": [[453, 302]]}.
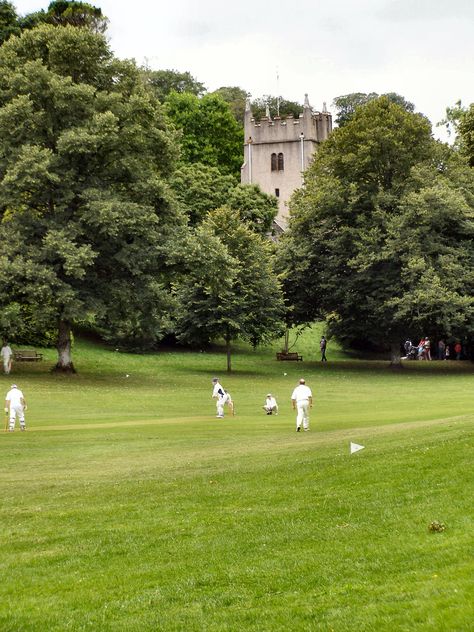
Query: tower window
{"points": [[277, 192], [277, 162]]}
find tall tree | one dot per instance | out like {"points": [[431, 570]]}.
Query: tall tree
{"points": [[84, 218], [74, 13], [347, 104], [8, 21], [230, 290], [163, 82], [210, 134], [58, 13], [236, 98], [466, 134], [373, 215]]}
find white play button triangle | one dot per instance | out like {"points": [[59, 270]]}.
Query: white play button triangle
{"points": [[355, 447]]}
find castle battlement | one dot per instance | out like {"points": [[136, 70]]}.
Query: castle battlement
{"points": [[277, 151], [315, 126]]}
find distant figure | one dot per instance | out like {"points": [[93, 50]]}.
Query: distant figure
{"points": [[15, 406], [458, 350], [223, 397], [447, 352], [6, 354], [410, 350], [421, 349], [441, 350], [271, 405], [302, 401], [427, 349], [322, 345]]}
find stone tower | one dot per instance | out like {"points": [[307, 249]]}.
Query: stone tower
{"points": [[277, 151]]}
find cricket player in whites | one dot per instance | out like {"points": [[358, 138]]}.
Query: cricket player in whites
{"points": [[15, 406], [302, 401], [6, 354], [223, 398]]}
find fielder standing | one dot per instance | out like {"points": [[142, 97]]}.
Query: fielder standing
{"points": [[302, 401], [6, 354], [15, 406]]}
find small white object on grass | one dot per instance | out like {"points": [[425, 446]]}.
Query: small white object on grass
{"points": [[284, 373], [355, 447], [127, 375]]}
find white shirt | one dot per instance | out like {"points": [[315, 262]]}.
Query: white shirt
{"points": [[271, 402], [6, 352], [301, 392], [14, 396], [218, 390]]}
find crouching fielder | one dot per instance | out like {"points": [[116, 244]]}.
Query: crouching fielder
{"points": [[222, 397], [15, 406]]}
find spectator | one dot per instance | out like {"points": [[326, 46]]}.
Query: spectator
{"points": [[427, 349], [323, 345], [441, 350], [458, 350]]}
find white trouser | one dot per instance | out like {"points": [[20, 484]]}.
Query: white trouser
{"points": [[16, 411], [6, 364], [221, 401], [302, 406]]}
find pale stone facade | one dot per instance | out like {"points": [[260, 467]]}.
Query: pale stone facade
{"points": [[277, 152]]}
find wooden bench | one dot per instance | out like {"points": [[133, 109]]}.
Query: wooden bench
{"points": [[24, 355], [295, 357]]}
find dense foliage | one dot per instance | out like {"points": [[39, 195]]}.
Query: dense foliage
{"points": [[347, 104], [230, 289], [84, 154], [381, 237], [210, 134], [58, 13], [200, 189]]}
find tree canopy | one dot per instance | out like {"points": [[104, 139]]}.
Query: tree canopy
{"points": [[9, 24], [236, 98], [58, 13], [277, 106], [200, 189], [380, 239], [163, 82], [230, 289], [347, 104], [84, 211], [210, 134]]}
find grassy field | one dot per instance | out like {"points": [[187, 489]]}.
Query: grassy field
{"points": [[128, 506]]}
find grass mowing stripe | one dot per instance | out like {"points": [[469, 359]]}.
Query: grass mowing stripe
{"points": [[126, 514]]}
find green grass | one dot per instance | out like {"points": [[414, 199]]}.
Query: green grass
{"points": [[128, 506]]}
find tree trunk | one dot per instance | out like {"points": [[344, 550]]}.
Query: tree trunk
{"points": [[227, 348], [287, 340], [64, 363], [395, 356]]}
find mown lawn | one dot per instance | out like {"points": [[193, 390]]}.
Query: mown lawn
{"points": [[128, 506]]}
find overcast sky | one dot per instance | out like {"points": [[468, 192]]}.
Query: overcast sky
{"points": [[422, 49]]}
